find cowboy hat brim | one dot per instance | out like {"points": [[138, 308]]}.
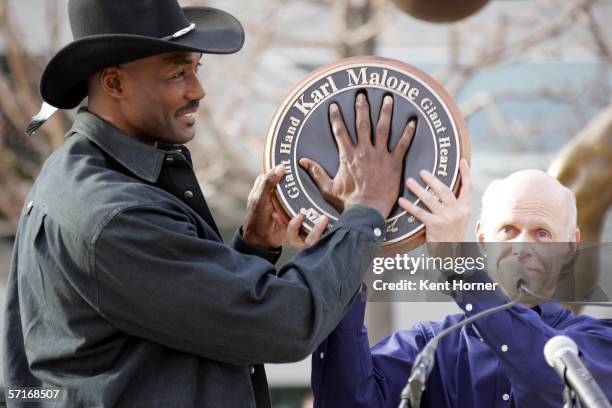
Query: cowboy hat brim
{"points": [[64, 81]]}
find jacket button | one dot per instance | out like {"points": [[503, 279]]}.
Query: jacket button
{"points": [[252, 370], [188, 194]]}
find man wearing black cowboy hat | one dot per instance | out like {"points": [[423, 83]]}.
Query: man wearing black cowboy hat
{"points": [[121, 291]]}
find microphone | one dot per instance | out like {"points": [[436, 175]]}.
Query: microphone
{"points": [[425, 360], [561, 353]]}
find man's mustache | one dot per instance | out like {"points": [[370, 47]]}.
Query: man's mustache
{"points": [[191, 106]]}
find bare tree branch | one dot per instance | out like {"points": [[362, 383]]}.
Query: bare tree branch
{"points": [[600, 41]]}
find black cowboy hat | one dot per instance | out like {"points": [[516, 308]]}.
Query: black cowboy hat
{"points": [[112, 32]]}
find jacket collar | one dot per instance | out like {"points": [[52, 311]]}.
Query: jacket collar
{"points": [[143, 161]]}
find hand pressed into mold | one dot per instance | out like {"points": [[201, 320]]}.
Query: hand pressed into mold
{"points": [[369, 174]]}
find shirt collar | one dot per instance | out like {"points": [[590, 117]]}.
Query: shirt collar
{"points": [[548, 311], [143, 161]]}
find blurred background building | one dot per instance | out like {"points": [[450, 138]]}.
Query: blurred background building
{"points": [[533, 79]]}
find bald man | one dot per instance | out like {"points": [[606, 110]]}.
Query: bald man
{"points": [[531, 207], [528, 228]]}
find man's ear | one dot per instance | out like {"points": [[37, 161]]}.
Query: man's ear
{"points": [[112, 81], [480, 237], [576, 235], [572, 246], [479, 231]]}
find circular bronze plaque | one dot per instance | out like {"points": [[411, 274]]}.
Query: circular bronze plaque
{"points": [[300, 128]]}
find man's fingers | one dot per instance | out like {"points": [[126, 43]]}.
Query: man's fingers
{"points": [[465, 195], [318, 174], [442, 191], [426, 197], [362, 119], [280, 221], [406, 140], [343, 140], [315, 234], [383, 127], [424, 216], [257, 188], [273, 177], [293, 232]]}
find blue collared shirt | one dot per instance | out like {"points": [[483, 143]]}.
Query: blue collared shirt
{"points": [[495, 362]]}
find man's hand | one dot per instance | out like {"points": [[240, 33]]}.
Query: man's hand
{"points": [[369, 174], [264, 227], [299, 240], [448, 216]]}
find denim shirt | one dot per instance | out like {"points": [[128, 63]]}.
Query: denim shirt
{"points": [[122, 293]]}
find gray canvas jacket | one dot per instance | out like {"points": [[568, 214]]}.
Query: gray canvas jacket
{"points": [[122, 293]]}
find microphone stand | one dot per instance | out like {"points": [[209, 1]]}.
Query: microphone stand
{"points": [[425, 360], [570, 399]]}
